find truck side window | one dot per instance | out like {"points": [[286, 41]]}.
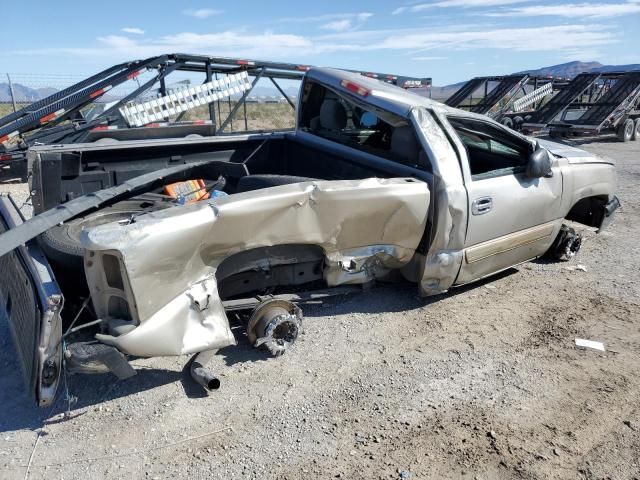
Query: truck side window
{"points": [[332, 115], [491, 151]]}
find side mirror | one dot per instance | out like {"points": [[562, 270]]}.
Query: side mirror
{"points": [[539, 164]]}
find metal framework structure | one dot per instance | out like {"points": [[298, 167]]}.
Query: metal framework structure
{"points": [[58, 118], [591, 103], [508, 99]]}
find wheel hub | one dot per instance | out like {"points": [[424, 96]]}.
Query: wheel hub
{"points": [[275, 324]]}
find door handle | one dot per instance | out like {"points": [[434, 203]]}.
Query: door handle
{"points": [[481, 205]]}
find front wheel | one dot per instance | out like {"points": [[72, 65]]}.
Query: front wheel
{"points": [[566, 245]]}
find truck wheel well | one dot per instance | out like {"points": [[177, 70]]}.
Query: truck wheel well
{"points": [[259, 269], [588, 211]]}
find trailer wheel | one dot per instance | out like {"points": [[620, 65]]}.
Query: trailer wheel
{"points": [[517, 122], [626, 130], [507, 122], [636, 130]]}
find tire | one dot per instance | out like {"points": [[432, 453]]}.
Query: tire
{"points": [[517, 122], [62, 244], [256, 182], [507, 122], [625, 130], [565, 246], [636, 130], [106, 141]]}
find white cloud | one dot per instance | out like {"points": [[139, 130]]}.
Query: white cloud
{"points": [[427, 59], [337, 25], [347, 22], [359, 17], [550, 38], [201, 12], [561, 39], [210, 42], [571, 10], [455, 4], [134, 30], [117, 41]]}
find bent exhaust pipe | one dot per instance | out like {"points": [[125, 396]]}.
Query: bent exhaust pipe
{"points": [[199, 372]]}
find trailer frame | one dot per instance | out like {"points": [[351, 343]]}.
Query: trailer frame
{"points": [[57, 118]]}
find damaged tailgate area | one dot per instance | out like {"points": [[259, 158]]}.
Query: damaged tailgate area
{"points": [[31, 304]]}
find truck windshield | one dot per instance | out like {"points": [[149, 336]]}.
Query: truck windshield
{"points": [[334, 116]]}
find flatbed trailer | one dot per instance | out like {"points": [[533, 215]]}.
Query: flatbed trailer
{"points": [[593, 104], [59, 118], [510, 101]]}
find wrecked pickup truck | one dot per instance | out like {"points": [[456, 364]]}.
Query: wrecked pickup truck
{"points": [[154, 242]]}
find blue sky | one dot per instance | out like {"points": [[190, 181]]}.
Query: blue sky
{"points": [[449, 40]]}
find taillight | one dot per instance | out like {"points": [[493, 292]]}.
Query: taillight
{"points": [[355, 88]]}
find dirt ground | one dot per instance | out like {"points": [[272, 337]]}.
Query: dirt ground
{"points": [[484, 382]]}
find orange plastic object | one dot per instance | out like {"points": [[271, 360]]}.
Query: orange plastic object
{"points": [[190, 191]]}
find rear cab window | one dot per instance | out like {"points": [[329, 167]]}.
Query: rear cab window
{"points": [[338, 117]]}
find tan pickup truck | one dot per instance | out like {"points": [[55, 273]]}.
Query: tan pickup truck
{"points": [[375, 183]]}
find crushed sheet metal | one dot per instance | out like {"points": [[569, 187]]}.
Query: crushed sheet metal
{"points": [[582, 343], [365, 227], [184, 325], [437, 271], [40, 223]]}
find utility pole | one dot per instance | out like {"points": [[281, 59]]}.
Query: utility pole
{"points": [[13, 96]]}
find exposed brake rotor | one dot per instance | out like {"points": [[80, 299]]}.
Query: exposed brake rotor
{"points": [[275, 324]]}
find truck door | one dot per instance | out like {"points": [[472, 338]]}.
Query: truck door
{"points": [[512, 218]]}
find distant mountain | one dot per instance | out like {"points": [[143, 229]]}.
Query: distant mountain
{"points": [[571, 69], [442, 93], [24, 94], [618, 68]]}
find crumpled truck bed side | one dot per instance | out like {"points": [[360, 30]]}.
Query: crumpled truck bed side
{"points": [[160, 271]]}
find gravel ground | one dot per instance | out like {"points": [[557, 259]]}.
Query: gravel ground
{"points": [[484, 382]]}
